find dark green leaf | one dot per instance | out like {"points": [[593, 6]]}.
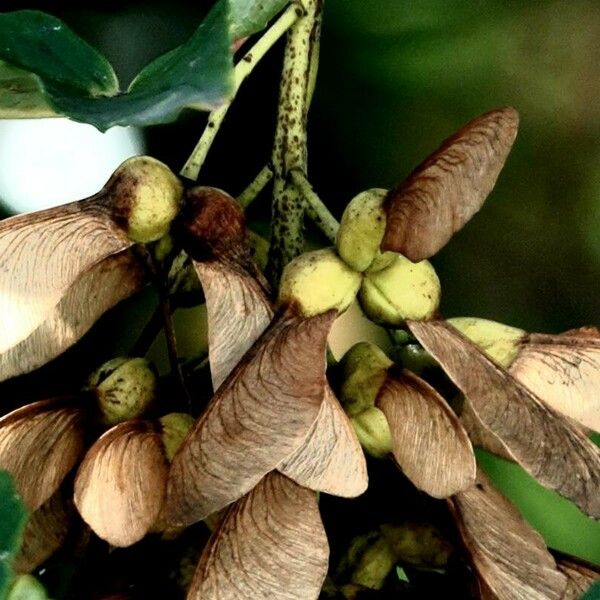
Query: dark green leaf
{"points": [[593, 592], [79, 83], [13, 517], [250, 16]]}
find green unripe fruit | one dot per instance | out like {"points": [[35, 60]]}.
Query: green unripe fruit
{"points": [[319, 281], [145, 195], [500, 342], [124, 389], [27, 587], [175, 426], [361, 229], [373, 432], [403, 290], [364, 370]]}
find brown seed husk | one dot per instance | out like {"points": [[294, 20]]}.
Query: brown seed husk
{"points": [[120, 485], [39, 444], [429, 442], [271, 544], [548, 447], [442, 194], [331, 459], [258, 417], [508, 555]]}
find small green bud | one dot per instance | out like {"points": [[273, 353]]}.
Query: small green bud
{"points": [[361, 229], [374, 565], [373, 432], [175, 426], [419, 544], [145, 194], [364, 369], [124, 389], [319, 281], [403, 290], [500, 342]]}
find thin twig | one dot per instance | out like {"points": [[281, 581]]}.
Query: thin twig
{"points": [[256, 187], [243, 68], [315, 208]]}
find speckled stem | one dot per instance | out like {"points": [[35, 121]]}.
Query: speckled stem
{"points": [[243, 68], [289, 151], [256, 187]]}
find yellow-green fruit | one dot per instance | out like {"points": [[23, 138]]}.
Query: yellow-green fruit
{"points": [[319, 281], [403, 290], [146, 195], [364, 370], [175, 426], [361, 229], [27, 587], [500, 342], [124, 389], [373, 432]]}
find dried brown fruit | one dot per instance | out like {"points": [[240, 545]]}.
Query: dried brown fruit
{"points": [[120, 485], [270, 544], [442, 194]]}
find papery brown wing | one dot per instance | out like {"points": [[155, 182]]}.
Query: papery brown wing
{"points": [[120, 485], [45, 532], [429, 443], [442, 194], [39, 444], [89, 297], [480, 435], [564, 371], [579, 577], [557, 454], [331, 459], [271, 544], [238, 312], [509, 556], [257, 418], [41, 256]]}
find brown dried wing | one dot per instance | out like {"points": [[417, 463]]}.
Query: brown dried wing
{"points": [[271, 544], [39, 444], [564, 371], [238, 313], [509, 556], [429, 443], [331, 459], [120, 485], [557, 454], [45, 532], [257, 418], [93, 293], [579, 578], [41, 256], [442, 194]]}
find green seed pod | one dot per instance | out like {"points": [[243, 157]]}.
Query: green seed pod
{"points": [[361, 229], [27, 587], [319, 281], [373, 432], [175, 426], [403, 290], [124, 389], [500, 342], [144, 194], [364, 369]]}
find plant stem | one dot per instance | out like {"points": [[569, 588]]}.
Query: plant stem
{"points": [[243, 68], [289, 151], [256, 187], [315, 209]]}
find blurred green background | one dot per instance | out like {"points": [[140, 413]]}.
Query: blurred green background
{"points": [[396, 78]]}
